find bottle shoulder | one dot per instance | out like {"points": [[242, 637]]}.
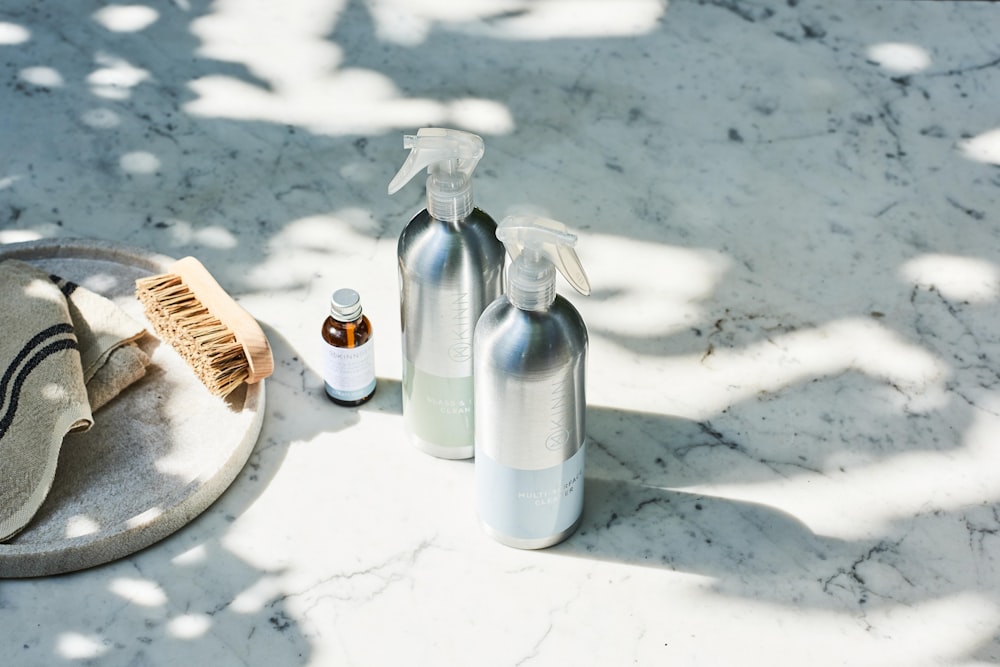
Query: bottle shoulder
{"points": [[479, 223], [427, 240], [562, 311], [503, 324], [477, 216]]}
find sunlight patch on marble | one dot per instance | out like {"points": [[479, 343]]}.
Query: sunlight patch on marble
{"points": [[865, 346], [957, 278], [411, 23], [666, 284], [12, 33], [730, 376], [139, 162], [189, 626], [310, 244], [858, 497], [481, 116], [900, 57], [184, 233], [296, 39], [78, 646], [257, 596], [115, 77], [960, 621], [340, 102], [897, 489], [394, 16], [126, 18], [194, 555], [983, 147], [326, 233], [577, 19], [305, 83], [43, 77], [7, 182], [810, 636], [143, 592]]}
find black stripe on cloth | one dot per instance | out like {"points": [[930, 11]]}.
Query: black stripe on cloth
{"points": [[36, 340], [67, 287], [34, 357]]}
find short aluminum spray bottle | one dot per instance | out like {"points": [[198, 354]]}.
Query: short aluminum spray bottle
{"points": [[450, 268], [530, 404]]}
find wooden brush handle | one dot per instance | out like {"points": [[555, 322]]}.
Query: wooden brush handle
{"points": [[243, 325]]}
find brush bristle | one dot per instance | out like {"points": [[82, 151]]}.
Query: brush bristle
{"points": [[203, 341]]}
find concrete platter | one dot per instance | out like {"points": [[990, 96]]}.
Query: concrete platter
{"points": [[156, 457]]}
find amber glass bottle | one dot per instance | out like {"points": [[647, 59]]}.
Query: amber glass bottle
{"points": [[348, 353]]}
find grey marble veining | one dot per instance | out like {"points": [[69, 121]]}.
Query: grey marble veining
{"points": [[788, 213]]}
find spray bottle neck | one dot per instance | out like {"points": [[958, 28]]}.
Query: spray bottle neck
{"points": [[449, 199], [531, 282]]}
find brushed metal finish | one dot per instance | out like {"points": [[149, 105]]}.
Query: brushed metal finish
{"points": [[530, 401], [448, 274]]}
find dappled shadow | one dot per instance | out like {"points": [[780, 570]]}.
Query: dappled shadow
{"points": [[652, 499], [162, 609], [773, 235]]}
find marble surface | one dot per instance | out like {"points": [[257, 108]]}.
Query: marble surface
{"points": [[789, 214]]}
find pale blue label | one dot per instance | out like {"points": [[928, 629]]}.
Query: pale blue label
{"points": [[529, 504], [349, 372], [352, 395]]}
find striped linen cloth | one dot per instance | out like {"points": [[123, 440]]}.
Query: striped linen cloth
{"points": [[64, 352]]}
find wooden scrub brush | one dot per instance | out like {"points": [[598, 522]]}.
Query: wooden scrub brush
{"points": [[217, 338]]}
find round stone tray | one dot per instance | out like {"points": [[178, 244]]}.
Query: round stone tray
{"points": [[158, 454]]}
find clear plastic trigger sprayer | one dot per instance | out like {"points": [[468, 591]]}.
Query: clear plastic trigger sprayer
{"points": [[538, 246], [450, 157]]}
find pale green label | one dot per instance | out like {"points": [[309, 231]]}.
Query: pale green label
{"points": [[438, 409]]}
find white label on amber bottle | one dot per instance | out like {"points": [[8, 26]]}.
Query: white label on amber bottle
{"points": [[349, 372]]}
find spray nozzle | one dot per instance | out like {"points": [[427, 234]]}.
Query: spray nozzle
{"points": [[539, 246], [450, 157]]}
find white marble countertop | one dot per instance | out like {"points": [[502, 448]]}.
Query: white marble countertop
{"points": [[789, 211]]}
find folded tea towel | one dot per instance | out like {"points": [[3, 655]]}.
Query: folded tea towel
{"points": [[124, 365], [106, 334], [55, 337]]}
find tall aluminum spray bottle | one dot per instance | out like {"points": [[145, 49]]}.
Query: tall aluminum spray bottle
{"points": [[451, 267], [530, 360]]}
